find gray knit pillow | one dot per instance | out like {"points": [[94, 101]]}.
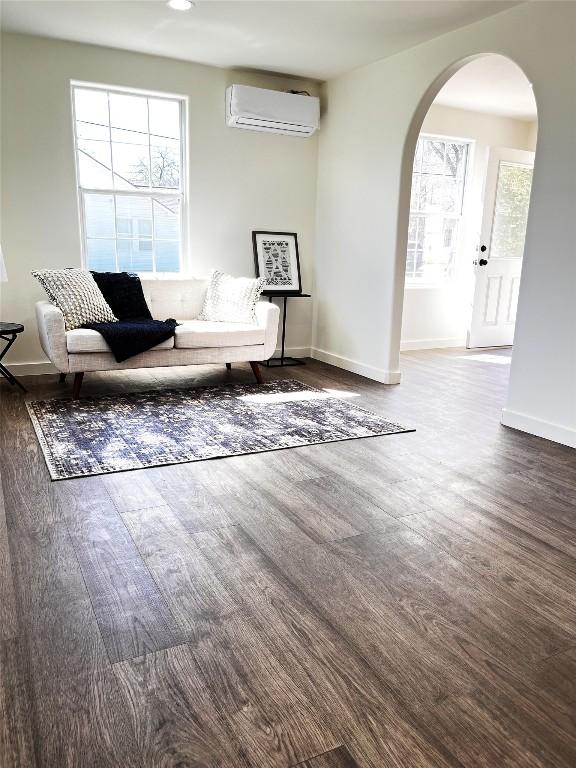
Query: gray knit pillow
{"points": [[231, 299], [75, 293]]}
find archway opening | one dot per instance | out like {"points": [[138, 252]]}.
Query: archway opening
{"points": [[467, 179]]}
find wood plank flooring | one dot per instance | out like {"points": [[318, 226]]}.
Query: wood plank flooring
{"points": [[397, 602]]}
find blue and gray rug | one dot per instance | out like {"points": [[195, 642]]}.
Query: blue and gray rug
{"points": [[97, 435]]}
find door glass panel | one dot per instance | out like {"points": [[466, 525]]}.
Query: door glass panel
{"points": [[511, 211]]}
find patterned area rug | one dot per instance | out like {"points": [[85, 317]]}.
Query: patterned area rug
{"points": [[97, 435]]}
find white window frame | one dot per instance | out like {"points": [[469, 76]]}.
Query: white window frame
{"points": [[182, 192], [417, 282]]}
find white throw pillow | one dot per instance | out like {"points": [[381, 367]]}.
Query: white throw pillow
{"points": [[76, 294], [231, 299]]}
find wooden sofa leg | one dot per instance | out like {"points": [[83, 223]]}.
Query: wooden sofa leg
{"points": [[229, 366], [77, 385], [257, 371], [62, 378]]}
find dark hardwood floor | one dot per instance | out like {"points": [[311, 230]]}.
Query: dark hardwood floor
{"points": [[405, 601]]}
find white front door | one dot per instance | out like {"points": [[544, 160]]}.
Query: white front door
{"points": [[499, 260]]}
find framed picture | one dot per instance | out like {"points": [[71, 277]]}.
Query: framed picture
{"points": [[277, 261]]}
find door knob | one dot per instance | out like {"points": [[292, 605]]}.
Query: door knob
{"points": [[483, 262]]}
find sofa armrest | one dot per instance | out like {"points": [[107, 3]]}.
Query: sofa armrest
{"points": [[267, 316], [52, 332]]}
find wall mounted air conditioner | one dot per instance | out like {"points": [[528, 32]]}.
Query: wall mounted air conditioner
{"points": [[258, 109]]}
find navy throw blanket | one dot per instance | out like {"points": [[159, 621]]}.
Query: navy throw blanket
{"points": [[135, 331]]}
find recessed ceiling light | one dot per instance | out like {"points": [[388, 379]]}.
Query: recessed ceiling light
{"points": [[180, 5]]}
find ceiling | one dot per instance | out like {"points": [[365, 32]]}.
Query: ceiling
{"points": [[309, 38], [492, 84]]}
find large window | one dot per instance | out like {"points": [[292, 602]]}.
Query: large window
{"points": [[130, 165], [438, 179]]}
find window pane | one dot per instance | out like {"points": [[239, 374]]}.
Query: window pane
{"points": [[94, 164], [416, 242], [99, 215], [452, 196], [455, 159], [167, 219], [167, 256], [165, 163], [131, 166], [135, 255], [415, 194], [450, 230], [431, 193], [418, 156], [433, 156], [511, 211], [101, 255], [91, 106], [412, 231], [164, 118], [133, 216], [123, 136], [437, 249], [130, 112], [93, 131]]}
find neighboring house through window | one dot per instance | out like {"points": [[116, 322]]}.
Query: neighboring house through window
{"points": [[130, 170], [438, 180]]}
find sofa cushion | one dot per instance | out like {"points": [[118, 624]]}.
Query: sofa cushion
{"points": [[75, 293], [175, 298], [85, 340], [203, 333], [231, 299]]}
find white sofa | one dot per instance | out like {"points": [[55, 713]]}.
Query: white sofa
{"points": [[196, 342]]}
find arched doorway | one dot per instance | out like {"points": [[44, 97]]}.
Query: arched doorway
{"points": [[467, 171]]}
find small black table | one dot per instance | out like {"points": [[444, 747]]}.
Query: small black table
{"points": [[276, 362], [8, 333]]}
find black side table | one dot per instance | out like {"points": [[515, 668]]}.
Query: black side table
{"points": [[8, 333], [277, 362]]}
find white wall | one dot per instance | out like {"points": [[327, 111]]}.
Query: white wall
{"points": [[438, 316], [367, 141], [239, 180]]}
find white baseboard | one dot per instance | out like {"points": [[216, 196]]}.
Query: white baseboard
{"points": [[546, 429], [458, 341], [377, 374], [31, 369]]}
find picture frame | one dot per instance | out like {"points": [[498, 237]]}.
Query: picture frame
{"points": [[277, 260]]}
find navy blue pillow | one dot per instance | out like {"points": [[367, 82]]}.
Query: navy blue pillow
{"points": [[124, 294]]}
